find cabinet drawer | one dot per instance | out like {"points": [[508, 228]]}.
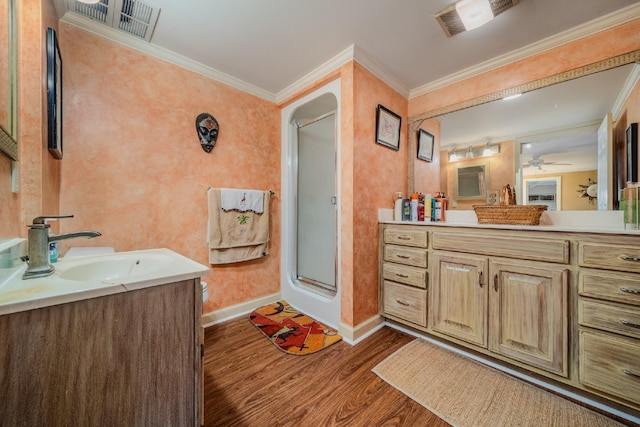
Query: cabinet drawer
{"points": [[511, 247], [406, 236], [611, 257], [405, 302], [407, 256], [404, 274], [614, 287], [609, 317], [610, 364]]}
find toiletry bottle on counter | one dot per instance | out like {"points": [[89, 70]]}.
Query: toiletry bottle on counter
{"points": [[427, 207], [397, 207], [406, 209], [414, 207], [420, 207]]}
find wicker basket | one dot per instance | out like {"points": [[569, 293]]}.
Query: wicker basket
{"points": [[513, 214]]}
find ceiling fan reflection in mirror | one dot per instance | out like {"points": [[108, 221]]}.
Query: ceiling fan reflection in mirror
{"points": [[538, 162]]}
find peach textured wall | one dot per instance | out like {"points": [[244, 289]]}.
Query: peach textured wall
{"points": [[427, 174], [39, 173], [133, 167], [378, 172]]}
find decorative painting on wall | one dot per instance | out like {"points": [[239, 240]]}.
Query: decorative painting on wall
{"points": [[388, 128]]}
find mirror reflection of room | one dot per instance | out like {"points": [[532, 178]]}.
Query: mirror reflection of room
{"points": [[546, 133]]}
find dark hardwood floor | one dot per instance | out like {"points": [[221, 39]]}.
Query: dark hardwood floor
{"points": [[249, 382]]}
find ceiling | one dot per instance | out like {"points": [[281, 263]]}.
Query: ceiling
{"points": [[269, 46]]}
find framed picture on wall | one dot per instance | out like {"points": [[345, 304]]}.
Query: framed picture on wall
{"points": [[388, 128], [54, 94], [425, 145], [632, 153]]}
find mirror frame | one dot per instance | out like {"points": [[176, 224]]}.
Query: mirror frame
{"points": [[8, 137], [414, 122]]}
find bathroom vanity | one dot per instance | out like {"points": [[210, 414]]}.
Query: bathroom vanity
{"points": [[113, 351], [556, 304]]}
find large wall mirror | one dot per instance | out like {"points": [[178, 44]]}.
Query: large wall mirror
{"points": [[8, 83], [551, 130]]}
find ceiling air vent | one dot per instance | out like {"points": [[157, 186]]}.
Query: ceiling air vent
{"points": [[452, 24], [134, 17]]}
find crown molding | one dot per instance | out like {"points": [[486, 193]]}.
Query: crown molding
{"points": [[331, 65], [619, 17], [625, 92], [352, 53], [140, 45]]}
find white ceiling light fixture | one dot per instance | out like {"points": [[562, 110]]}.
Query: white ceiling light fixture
{"points": [[474, 13], [465, 15]]}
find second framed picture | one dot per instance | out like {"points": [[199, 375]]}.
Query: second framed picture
{"points": [[425, 145]]}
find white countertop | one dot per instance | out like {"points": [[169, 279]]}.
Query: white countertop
{"points": [[605, 222], [18, 295]]}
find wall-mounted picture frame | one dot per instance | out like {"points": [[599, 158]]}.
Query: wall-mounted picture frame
{"points": [[54, 94], [425, 145], [632, 152], [388, 128]]}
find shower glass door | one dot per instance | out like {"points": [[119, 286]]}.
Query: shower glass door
{"points": [[316, 204]]}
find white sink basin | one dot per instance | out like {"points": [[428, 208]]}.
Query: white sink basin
{"points": [[94, 276], [112, 268]]}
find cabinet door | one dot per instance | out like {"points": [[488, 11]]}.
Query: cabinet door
{"points": [[528, 314], [458, 303]]}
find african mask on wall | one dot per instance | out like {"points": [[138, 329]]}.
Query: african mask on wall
{"points": [[207, 127]]}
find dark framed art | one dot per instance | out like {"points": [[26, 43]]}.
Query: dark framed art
{"points": [[54, 94], [425, 145], [388, 128], [632, 152]]}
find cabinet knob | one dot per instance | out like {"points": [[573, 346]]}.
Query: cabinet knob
{"points": [[480, 279], [495, 282]]}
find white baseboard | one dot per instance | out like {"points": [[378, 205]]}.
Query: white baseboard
{"points": [[353, 335], [237, 310]]}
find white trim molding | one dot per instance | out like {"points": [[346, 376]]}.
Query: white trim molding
{"points": [[353, 335], [619, 17], [231, 312]]}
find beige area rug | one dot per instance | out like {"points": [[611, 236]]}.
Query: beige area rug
{"points": [[466, 393]]}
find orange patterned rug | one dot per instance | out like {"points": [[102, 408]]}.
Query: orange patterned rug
{"points": [[292, 331]]}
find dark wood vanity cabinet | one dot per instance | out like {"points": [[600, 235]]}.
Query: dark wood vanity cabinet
{"points": [[127, 359]]}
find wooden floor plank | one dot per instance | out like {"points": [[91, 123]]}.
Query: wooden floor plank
{"points": [[249, 382]]}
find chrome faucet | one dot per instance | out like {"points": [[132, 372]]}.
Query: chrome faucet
{"points": [[39, 239]]}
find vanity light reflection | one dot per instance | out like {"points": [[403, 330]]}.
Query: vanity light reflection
{"points": [[471, 152]]}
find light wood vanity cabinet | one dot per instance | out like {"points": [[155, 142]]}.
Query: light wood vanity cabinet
{"points": [[517, 309], [564, 305], [404, 274], [609, 319]]}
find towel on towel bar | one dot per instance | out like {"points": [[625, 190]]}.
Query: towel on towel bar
{"points": [[236, 236], [241, 200]]}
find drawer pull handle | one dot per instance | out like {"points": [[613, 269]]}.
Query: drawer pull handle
{"points": [[628, 372], [403, 256], [406, 304], [495, 282], [632, 324], [480, 280], [629, 258], [404, 238], [630, 291], [402, 275]]}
